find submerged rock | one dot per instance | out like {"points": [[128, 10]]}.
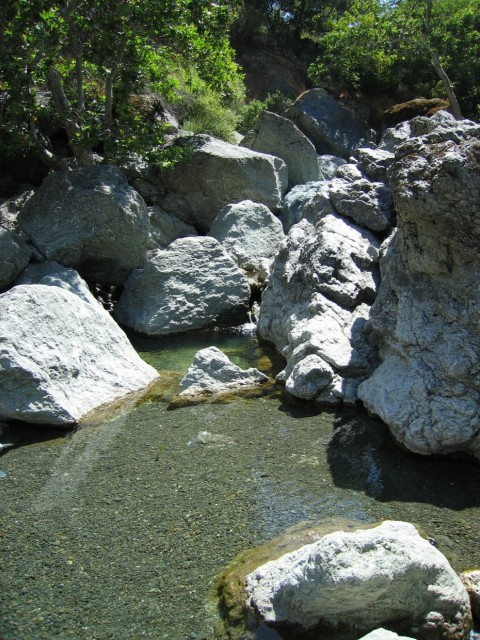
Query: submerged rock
{"points": [[351, 583], [427, 311], [192, 284], [91, 220], [213, 372], [62, 358]]}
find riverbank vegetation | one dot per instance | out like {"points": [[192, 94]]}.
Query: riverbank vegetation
{"points": [[76, 68]]}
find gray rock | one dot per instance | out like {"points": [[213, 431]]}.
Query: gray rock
{"points": [[15, 254], [369, 204], [192, 284], [215, 174], [279, 137], [10, 208], [62, 358], [322, 269], [357, 581], [250, 233], [374, 162], [213, 372], [90, 220], [310, 202], [328, 166], [166, 228], [53, 274], [395, 136], [427, 311], [328, 124]]}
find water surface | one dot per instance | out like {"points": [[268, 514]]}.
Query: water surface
{"points": [[118, 531]]}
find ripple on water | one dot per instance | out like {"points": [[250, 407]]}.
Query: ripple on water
{"points": [[118, 531]]}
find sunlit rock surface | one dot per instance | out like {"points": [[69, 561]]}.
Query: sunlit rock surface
{"points": [[62, 358], [192, 284], [428, 308], [385, 576]]}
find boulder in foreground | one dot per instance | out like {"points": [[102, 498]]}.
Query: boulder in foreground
{"points": [[352, 583], [62, 358]]}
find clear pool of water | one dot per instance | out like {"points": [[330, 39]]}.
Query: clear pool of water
{"points": [[118, 530]]}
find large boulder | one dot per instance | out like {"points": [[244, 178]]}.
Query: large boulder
{"points": [[315, 309], [279, 137], [212, 372], [192, 284], [15, 254], [214, 174], [427, 311], [347, 584], [249, 232], [91, 220], [328, 124], [62, 358]]}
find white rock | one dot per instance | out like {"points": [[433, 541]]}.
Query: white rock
{"points": [[51, 273], [62, 358], [384, 634], [427, 311], [309, 201], [249, 232], [213, 372], [387, 575], [328, 166], [192, 284], [166, 228], [322, 269]]}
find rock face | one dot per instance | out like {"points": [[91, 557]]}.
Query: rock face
{"points": [[62, 358], [355, 582], [213, 372], [14, 256], [279, 137], [250, 233], [192, 284], [328, 124], [166, 228], [427, 311], [215, 174], [90, 220], [366, 201], [316, 308]]}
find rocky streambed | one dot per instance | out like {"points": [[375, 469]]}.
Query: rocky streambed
{"points": [[119, 530]]}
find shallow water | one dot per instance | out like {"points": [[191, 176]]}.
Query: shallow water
{"points": [[118, 531]]}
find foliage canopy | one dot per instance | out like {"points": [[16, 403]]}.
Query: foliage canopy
{"points": [[83, 60]]}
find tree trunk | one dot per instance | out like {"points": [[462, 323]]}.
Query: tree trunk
{"points": [[70, 119], [437, 65]]}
